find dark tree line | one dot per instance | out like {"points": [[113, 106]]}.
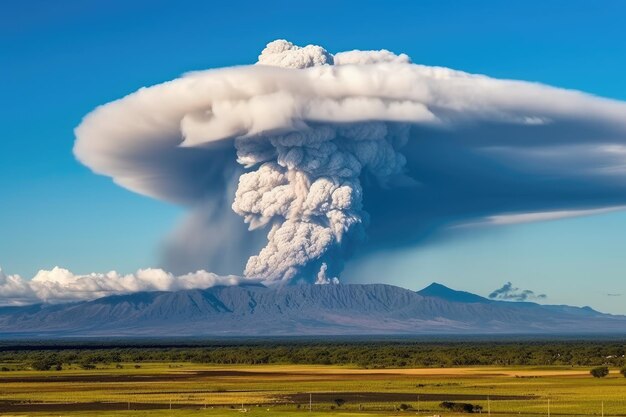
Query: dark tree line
{"points": [[367, 355]]}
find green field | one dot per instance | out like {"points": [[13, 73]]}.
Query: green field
{"points": [[193, 389]]}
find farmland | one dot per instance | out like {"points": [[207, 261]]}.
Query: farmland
{"points": [[311, 377], [183, 388]]}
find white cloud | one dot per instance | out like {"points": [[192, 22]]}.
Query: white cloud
{"points": [[60, 285]]}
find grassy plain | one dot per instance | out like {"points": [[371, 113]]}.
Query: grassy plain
{"points": [[283, 390]]}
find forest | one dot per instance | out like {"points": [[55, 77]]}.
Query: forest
{"points": [[364, 354]]}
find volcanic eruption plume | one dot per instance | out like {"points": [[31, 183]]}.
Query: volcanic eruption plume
{"points": [[326, 154], [307, 186]]}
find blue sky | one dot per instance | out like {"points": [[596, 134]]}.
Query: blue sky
{"points": [[62, 59]]}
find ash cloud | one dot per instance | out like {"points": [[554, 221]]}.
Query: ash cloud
{"points": [[511, 293], [331, 156]]}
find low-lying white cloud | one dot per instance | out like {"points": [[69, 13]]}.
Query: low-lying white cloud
{"points": [[60, 285]]}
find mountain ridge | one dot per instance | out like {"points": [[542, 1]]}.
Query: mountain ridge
{"points": [[357, 309]]}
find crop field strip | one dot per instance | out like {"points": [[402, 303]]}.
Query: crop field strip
{"points": [[284, 388]]}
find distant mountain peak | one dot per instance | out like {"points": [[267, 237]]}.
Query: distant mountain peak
{"points": [[441, 291]]}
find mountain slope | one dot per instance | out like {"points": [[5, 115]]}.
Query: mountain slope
{"points": [[302, 310]]}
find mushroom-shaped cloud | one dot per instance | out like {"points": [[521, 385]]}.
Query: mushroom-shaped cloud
{"points": [[321, 150]]}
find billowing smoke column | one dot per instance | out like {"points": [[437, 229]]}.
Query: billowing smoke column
{"points": [[307, 183], [325, 153]]}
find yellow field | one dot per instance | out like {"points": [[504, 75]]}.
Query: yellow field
{"points": [[194, 389]]}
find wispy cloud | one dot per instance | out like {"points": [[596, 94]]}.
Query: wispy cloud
{"points": [[511, 293], [506, 219]]}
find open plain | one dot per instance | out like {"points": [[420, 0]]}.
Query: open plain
{"points": [[182, 389]]}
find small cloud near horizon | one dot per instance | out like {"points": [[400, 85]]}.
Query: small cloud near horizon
{"points": [[511, 293], [614, 295]]}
